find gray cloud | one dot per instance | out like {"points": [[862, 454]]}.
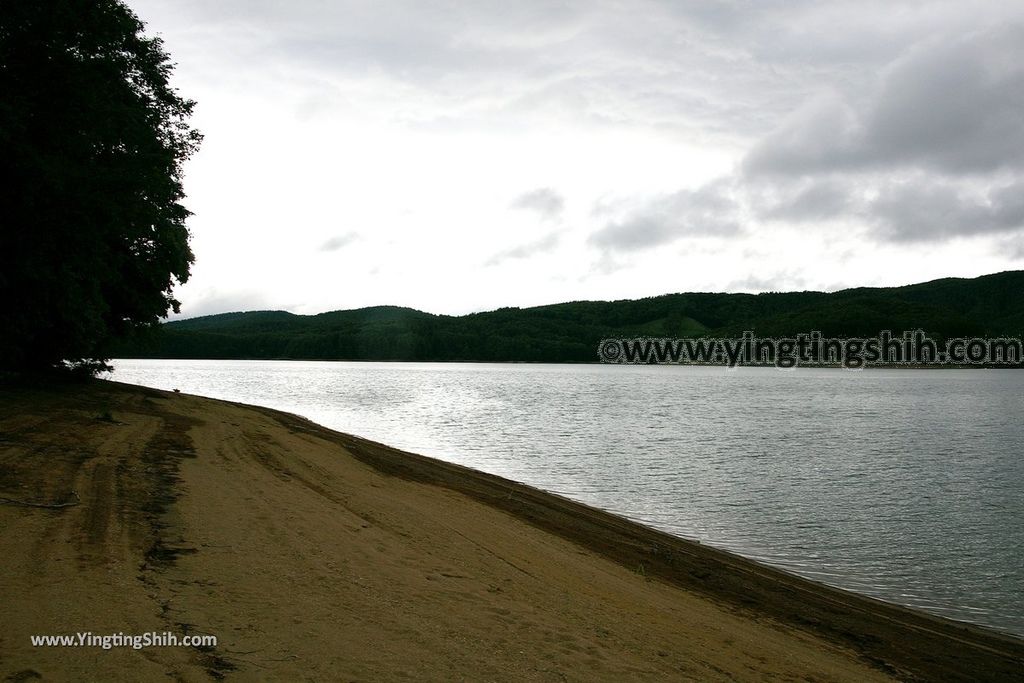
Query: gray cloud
{"points": [[539, 246], [955, 108], [709, 211], [811, 201], [930, 211], [544, 200], [339, 241], [949, 105], [934, 149], [918, 208], [921, 208]]}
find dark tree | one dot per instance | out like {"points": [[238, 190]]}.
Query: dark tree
{"points": [[92, 140]]}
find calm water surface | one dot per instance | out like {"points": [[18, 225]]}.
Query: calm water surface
{"points": [[907, 485]]}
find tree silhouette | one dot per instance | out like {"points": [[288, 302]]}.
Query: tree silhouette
{"points": [[92, 139]]}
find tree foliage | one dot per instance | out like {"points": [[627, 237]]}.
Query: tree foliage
{"points": [[92, 141], [987, 306]]}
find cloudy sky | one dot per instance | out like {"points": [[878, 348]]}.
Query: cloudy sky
{"points": [[459, 156]]}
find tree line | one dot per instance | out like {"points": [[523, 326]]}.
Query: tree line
{"points": [[991, 305]]}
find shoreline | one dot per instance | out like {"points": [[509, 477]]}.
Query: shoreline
{"points": [[187, 442], [684, 562]]}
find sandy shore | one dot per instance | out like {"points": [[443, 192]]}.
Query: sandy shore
{"points": [[313, 555]]}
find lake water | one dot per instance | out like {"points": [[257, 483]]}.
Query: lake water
{"points": [[906, 485]]}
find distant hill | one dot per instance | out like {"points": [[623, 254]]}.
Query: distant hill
{"points": [[991, 305]]}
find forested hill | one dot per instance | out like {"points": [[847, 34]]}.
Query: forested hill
{"points": [[992, 305]]}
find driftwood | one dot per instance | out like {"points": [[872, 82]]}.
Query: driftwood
{"points": [[49, 506]]}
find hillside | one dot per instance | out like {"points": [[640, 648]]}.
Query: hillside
{"points": [[991, 305]]}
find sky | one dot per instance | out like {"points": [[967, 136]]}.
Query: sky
{"points": [[457, 156]]}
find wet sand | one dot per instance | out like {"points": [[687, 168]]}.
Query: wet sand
{"points": [[314, 555]]}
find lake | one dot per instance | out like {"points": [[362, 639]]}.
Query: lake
{"points": [[906, 485]]}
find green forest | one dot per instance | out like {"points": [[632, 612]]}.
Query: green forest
{"points": [[987, 306]]}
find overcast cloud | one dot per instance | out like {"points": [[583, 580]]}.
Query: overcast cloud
{"points": [[496, 153]]}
